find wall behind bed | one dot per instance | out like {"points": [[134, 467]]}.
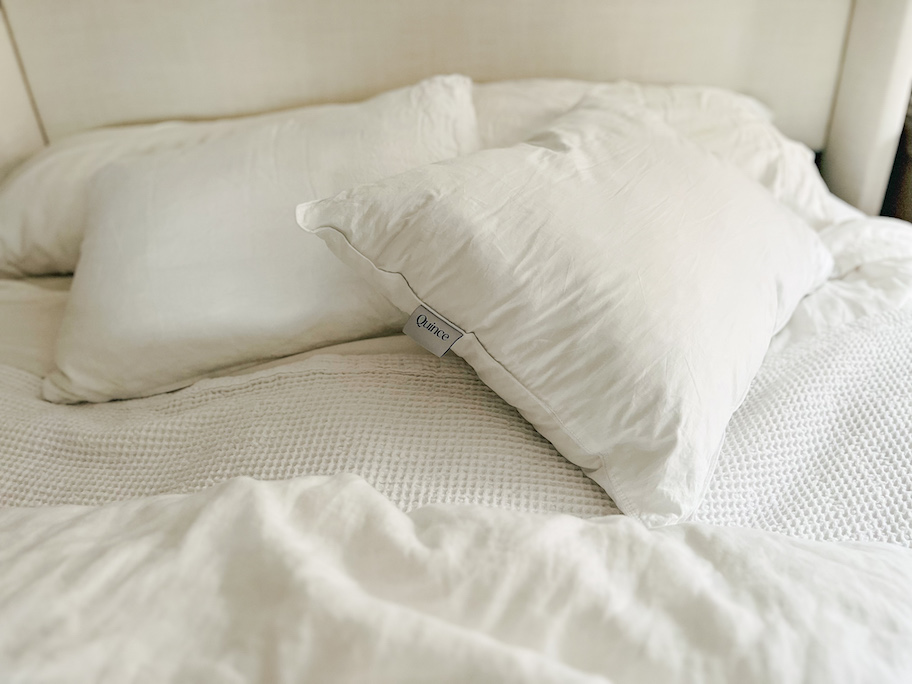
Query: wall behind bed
{"points": [[100, 62]]}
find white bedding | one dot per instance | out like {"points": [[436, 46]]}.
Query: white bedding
{"points": [[313, 579], [379, 416], [873, 273], [324, 580], [821, 447]]}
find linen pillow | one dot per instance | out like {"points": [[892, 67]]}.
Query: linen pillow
{"points": [[192, 264], [43, 202], [734, 127], [615, 283]]}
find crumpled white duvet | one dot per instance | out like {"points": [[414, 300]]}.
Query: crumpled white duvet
{"points": [[872, 274], [324, 580]]}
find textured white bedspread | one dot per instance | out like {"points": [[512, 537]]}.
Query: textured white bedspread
{"points": [[324, 580], [821, 448], [383, 417]]}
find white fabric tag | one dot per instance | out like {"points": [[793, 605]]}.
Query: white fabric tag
{"points": [[431, 331]]}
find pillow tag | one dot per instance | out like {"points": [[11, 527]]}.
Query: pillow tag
{"points": [[431, 331]]}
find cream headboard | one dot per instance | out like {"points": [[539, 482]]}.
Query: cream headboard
{"points": [[99, 62], [20, 132]]}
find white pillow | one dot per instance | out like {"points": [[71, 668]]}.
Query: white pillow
{"points": [[193, 265], [735, 127], [43, 202], [615, 283]]}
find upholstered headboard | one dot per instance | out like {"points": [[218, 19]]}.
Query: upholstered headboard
{"points": [[20, 132], [92, 63]]}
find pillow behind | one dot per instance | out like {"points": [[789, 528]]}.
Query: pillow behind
{"points": [[615, 283], [192, 266], [734, 127], [43, 202]]}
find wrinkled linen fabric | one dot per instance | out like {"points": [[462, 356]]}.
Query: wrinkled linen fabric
{"points": [[192, 265], [872, 274], [318, 579], [43, 202], [735, 127]]}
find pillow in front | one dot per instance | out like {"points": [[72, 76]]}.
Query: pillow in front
{"points": [[615, 283], [192, 264]]}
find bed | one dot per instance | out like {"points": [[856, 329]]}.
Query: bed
{"points": [[672, 446]]}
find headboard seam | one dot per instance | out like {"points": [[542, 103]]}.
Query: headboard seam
{"points": [[25, 79]]}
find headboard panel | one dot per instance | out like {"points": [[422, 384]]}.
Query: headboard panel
{"points": [[118, 61], [20, 132]]}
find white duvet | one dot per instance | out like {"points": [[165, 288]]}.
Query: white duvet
{"points": [[324, 580]]}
